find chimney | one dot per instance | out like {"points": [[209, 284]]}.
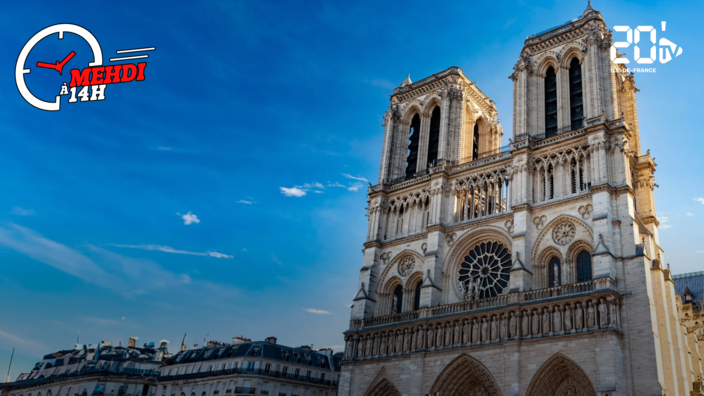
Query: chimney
{"points": [[305, 347], [161, 351], [105, 344], [270, 340], [238, 340], [132, 343]]}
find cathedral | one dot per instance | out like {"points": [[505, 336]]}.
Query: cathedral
{"points": [[529, 269]]}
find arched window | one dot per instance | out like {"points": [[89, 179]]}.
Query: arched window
{"points": [[412, 155], [550, 103], [554, 272], [434, 137], [416, 297], [475, 142], [584, 266], [576, 109], [397, 300], [551, 183]]}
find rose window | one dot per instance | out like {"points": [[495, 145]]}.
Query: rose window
{"points": [[564, 233], [487, 264]]}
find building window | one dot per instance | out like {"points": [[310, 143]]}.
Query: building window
{"points": [[267, 368], [416, 297], [305, 392], [282, 390], [584, 266], [475, 142], [550, 103], [294, 392], [434, 137], [265, 386], [413, 141], [397, 300], [284, 371], [554, 272], [576, 108]]}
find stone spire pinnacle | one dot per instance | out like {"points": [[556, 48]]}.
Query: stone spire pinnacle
{"points": [[589, 7], [407, 81]]}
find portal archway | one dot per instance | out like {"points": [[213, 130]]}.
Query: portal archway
{"points": [[465, 376], [560, 376], [382, 387]]}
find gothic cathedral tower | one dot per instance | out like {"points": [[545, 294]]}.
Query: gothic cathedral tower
{"points": [[529, 269]]}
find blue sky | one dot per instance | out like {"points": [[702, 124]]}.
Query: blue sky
{"points": [[246, 106]]}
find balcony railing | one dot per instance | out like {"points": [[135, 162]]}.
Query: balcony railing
{"points": [[263, 372], [488, 303], [85, 372], [241, 390], [264, 392]]}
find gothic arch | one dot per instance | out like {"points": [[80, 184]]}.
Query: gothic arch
{"points": [[382, 386], [430, 104], [560, 376], [572, 50], [410, 111], [463, 375], [461, 248], [540, 267], [583, 231], [544, 61], [394, 263]]}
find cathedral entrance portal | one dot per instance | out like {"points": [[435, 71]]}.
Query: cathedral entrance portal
{"points": [[465, 376]]}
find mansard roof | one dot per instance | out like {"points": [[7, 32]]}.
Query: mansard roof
{"points": [[694, 281], [264, 349]]}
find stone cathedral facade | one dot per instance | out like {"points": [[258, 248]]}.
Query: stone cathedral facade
{"points": [[533, 269]]}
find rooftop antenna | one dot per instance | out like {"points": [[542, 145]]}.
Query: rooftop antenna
{"points": [[206, 336], [7, 379]]}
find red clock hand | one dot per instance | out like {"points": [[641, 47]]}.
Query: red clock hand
{"points": [[59, 65]]}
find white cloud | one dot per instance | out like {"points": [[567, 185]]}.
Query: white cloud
{"points": [[17, 211], [336, 184], [664, 219], [699, 251], [318, 311], [292, 192], [666, 226], [9, 340], [360, 178], [246, 201], [690, 214], [167, 249], [189, 218], [700, 200], [243, 250], [355, 187]]}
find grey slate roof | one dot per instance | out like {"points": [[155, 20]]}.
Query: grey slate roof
{"points": [[693, 280]]}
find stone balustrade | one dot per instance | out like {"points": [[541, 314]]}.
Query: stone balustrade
{"points": [[497, 302], [516, 316]]}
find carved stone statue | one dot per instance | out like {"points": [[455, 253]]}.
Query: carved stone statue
{"points": [[392, 342], [382, 348], [469, 291], [360, 348], [457, 338], [406, 340], [477, 290], [448, 334], [399, 342], [578, 317], [568, 319], [512, 325], [494, 328], [466, 332], [590, 316], [394, 304], [485, 330], [475, 331], [556, 275], [536, 323], [348, 347], [556, 320], [438, 336], [375, 346], [368, 347], [431, 337], [546, 321], [463, 290], [420, 337], [525, 325], [603, 315], [503, 327]]}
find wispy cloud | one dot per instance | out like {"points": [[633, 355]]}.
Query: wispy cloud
{"points": [[189, 218], [355, 187], [11, 340], [318, 311], [666, 226], [663, 220], [690, 214], [276, 260], [699, 251], [347, 175], [293, 192], [167, 249], [336, 184], [18, 211], [700, 200], [247, 201], [163, 148]]}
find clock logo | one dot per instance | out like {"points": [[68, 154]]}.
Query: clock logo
{"points": [[85, 85]]}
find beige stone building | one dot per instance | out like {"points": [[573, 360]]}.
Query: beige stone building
{"points": [[533, 269]]}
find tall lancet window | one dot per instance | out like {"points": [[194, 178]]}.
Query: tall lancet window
{"points": [[576, 108], [475, 142], [412, 154], [550, 103], [434, 137]]}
